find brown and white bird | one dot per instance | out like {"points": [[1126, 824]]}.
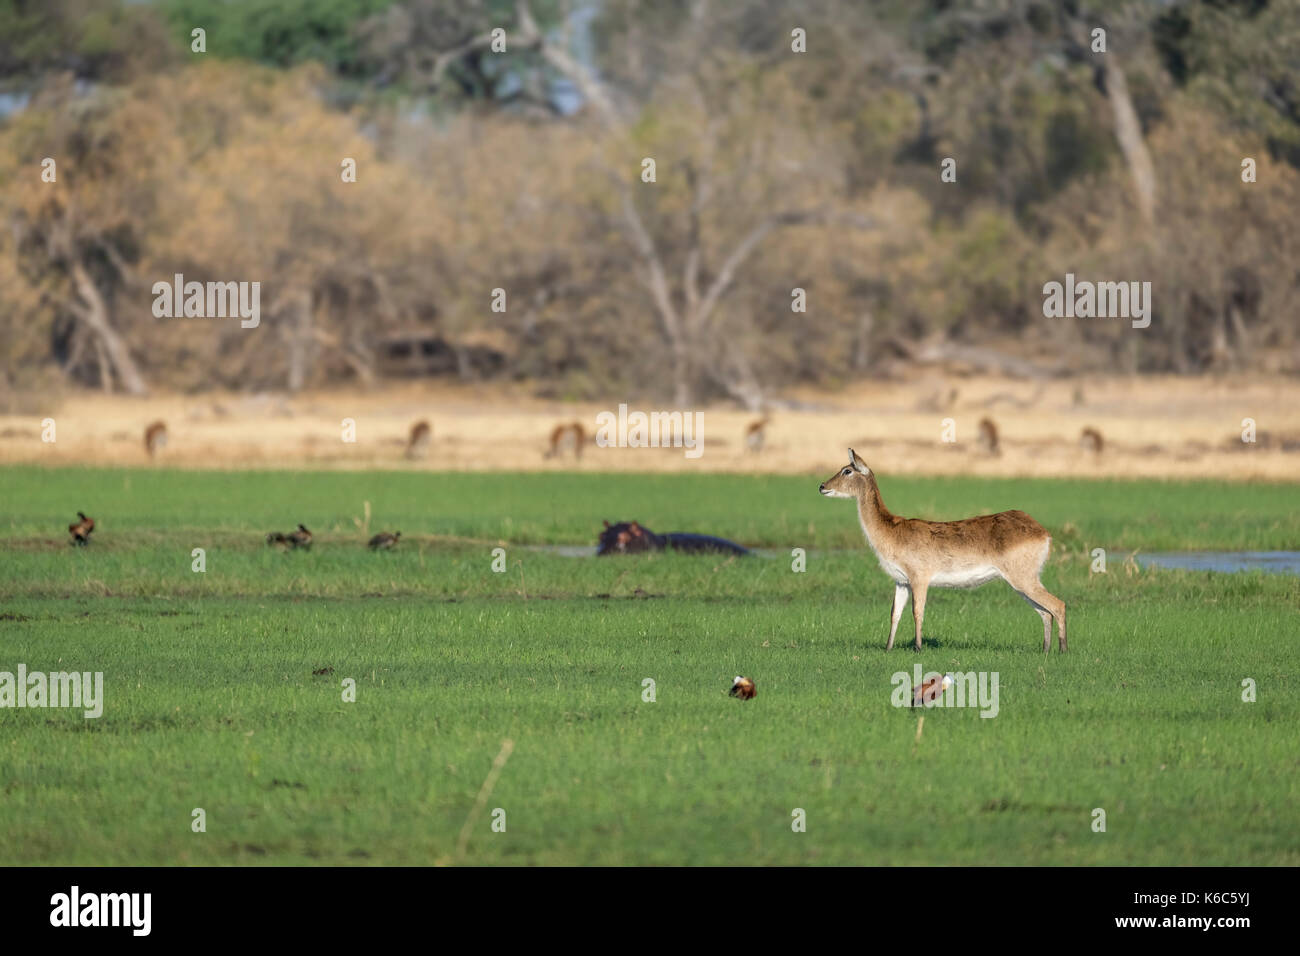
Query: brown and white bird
{"points": [[384, 541], [931, 690], [743, 688], [81, 530]]}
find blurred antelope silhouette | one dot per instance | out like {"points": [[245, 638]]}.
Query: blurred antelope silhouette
{"points": [[756, 434], [570, 437], [417, 446], [988, 437], [155, 437]]}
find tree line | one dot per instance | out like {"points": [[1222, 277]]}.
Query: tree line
{"points": [[685, 198]]}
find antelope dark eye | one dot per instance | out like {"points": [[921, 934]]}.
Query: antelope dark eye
{"points": [[846, 471]]}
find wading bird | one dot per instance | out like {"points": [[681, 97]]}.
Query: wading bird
{"points": [[743, 688], [384, 541], [930, 690], [81, 530], [294, 539]]}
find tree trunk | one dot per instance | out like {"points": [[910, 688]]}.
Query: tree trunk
{"points": [[105, 370], [683, 386], [300, 340], [1128, 131], [94, 312], [861, 353]]}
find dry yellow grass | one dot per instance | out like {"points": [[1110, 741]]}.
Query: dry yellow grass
{"points": [[1161, 427]]}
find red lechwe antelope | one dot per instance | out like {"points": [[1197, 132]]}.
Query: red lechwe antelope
{"points": [[988, 438], [756, 434], [417, 445], [564, 438], [921, 554], [155, 437]]}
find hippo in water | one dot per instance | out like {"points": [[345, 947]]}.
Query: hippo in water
{"points": [[630, 537]]}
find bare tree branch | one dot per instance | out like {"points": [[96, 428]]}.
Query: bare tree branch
{"points": [[657, 278], [751, 241]]}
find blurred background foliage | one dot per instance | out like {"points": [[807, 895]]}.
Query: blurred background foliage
{"points": [[521, 171]]}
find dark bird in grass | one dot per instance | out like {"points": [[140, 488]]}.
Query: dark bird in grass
{"points": [[743, 688], [81, 530], [384, 541], [294, 539]]}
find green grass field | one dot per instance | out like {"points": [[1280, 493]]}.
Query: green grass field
{"points": [[211, 700]]}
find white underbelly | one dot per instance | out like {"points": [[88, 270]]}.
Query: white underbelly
{"points": [[964, 577], [971, 577]]}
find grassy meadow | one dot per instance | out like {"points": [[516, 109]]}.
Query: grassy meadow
{"points": [[211, 699]]}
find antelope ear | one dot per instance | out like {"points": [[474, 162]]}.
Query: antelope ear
{"points": [[858, 464], [606, 524], [635, 526]]}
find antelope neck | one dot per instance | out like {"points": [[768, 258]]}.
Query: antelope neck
{"points": [[871, 508]]}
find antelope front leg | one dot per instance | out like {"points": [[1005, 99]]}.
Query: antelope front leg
{"points": [[900, 601]]}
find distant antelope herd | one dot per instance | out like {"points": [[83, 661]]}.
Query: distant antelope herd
{"points": [[570, 438], [988, 442]]}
